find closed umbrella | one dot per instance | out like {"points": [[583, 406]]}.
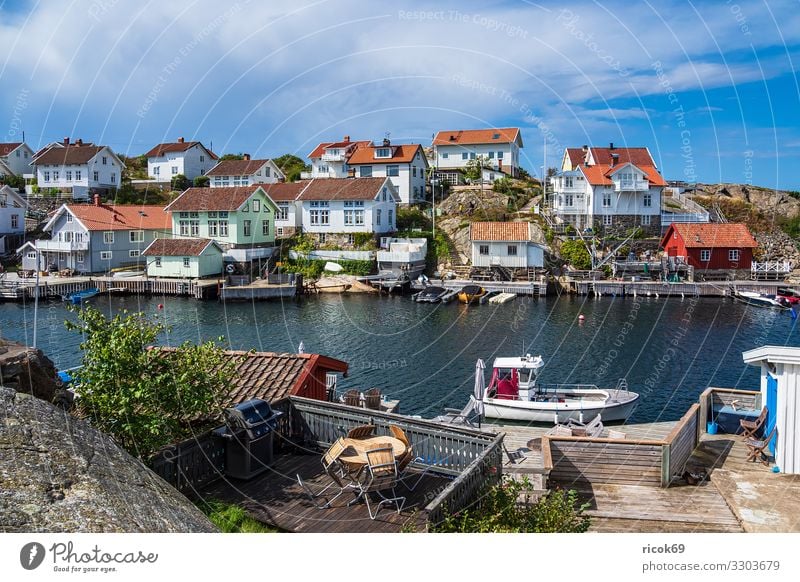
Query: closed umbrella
{"points": [[480, 388]]}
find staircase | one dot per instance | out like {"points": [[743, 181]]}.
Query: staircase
{"points": [[501, 273]]}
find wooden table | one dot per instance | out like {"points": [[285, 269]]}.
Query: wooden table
{"points": [[356, 452]]}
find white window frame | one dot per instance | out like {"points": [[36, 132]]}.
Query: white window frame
{"points": [[247, 228], [606, 199], [647, 200], [136, 236], [106, 255], [134, 253], [646, 219], [483, 250], [158, 262], [187, 262], [256, 205], [608, 220], [223, 228], [265, 228], [512, 250], [108, 237], [80, 257], [734, 255], [705, 255]]}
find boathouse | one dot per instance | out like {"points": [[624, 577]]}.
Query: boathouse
{"points": [[711, 245], [185, 258], [507, 245]]}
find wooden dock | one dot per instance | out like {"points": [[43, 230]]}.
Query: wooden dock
{"points": [[604, 288]]}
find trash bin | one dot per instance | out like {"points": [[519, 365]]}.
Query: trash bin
{"points": [[249, 434]]}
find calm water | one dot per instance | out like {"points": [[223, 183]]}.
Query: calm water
{"points": [[669, 350]]}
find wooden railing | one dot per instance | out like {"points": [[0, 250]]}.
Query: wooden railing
{"points": [[713, 397], [680, 443], [191, 464]]}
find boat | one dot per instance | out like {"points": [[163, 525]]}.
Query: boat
{"points": [[792, 296], [80, 296], [470, 293], [514, 394], [402, 259], [430, 294], [762, 300]]}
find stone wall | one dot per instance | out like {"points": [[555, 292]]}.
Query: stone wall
{"points": [[624, 223], [338, 240]]}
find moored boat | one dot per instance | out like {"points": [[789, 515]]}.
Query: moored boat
{"points": [[470, 293], [430, 294], [80, 296], [762, 300], [514, 394]]}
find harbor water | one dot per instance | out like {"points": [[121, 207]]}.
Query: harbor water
{"points": [[668, 350]]}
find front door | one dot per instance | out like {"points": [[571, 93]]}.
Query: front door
{"points": [[772, 409]]}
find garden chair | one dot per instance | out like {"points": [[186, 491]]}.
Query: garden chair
{"points": [[381, 475], [751, 427], [361, 432], [757, 448], [559, 430], [465, 416], [399, 434], [352, 398], [372, 399], [333, 468], [594, 428]]}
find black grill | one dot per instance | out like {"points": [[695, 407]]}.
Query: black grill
{"points": [[249, 435]]}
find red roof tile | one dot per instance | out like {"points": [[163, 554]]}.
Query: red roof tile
{"points": [[401, 154], [205, 199], [285, 191], [121, 217], [636, 156], [600, 175], [181, 146], [342, 189], [7, 148], [476, 136], [320, 149], [500, 231], [177, 247], [711, 235], [67, 155], [236, 168]]}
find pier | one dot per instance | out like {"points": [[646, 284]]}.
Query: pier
{"points": [[600, 288], [525, 288]]}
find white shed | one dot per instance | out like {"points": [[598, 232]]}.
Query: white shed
{"points": [[506, 244], [780, 393]]}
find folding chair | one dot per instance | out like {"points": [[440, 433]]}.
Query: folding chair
{"points": [[361, 432], [757, 448], [381, 475], [372, 399], [751, 427], [337, 472]]}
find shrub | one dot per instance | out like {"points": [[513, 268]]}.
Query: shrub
{"points": [[500, 510], [574, 252], [179, 183], [411, 218], [364, 240], [201, 182]]}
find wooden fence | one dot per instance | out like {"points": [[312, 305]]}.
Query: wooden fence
{"points": [[650, 462], [191, 464], [715, 398]]}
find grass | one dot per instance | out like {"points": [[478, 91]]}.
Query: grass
{"points": [[230, 518]]}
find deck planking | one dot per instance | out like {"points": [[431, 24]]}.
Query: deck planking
{"points": [[276, 499]]}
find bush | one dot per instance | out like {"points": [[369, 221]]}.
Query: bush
{"points": [[574, 252], [180, 183], [412, 218], [364, 241], [499, 510], [201, 182]]}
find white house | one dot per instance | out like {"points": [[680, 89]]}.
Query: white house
{"points": [[16, 157], [608, 187], [78, 168], [329, 159], [335, 210], [190, 158], [244, 172], [504, 244], [288, 218], [12, 219], [405, 165], [499, 148], [185, 258]]}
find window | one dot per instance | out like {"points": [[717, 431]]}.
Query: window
{"points": [[322, 238], [378, 217], [351, 239], [31, 255], [202, 158], [136, 236], [320, 217], [246, 228], [464, 155], [108, 238], [194, 215], [68, 236], [212, 214], [733, 255], [392, 170], [79, 257], [499, 155], [55, 176], [133, 254], [705, 255], [256, 205], [194, 227], [18, 153], [105, 160], [185, 262], [444, 156], [646, 220], [471, 155], [414, 171], [569, 200], [14, 221], [69, 175], [383, 153], [156, 170], [213, 229], [183, 227], [279, 231], [174, 170], [647, 200], [113, 178], [568, 182], [366, 171], [608, 220], [267, 171], [223, 214], [158, 261], [47, 176], [105, 255], [96, 176], [606, 199], [383, 194], [512, 250], [223, 228], [77, 175], [483, 250], [391, 218], [69, 217], [283, 211], [491, 155], [265, 227]]}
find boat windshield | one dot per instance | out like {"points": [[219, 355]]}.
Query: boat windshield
{"points": [[524, 375]]}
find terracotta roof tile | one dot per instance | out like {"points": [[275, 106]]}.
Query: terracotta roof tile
{"points": [[236, 167], [500, 231], [636, 156], [177, 247], [711, 235], [121, 217], [165, 148], [205, 199], [342, 189], [320, 149], [71, 154], [7, 148], [401, 154], [476, 136], [285, 191]]}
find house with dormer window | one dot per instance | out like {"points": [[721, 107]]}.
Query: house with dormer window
{"points": [[240, 219], [608, 187], [244, 172], [499, 148], [404, 164], [190, 158], [330, 159], [80, 168]]}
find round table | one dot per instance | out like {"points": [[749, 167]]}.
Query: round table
{"points": [[356, 449]]}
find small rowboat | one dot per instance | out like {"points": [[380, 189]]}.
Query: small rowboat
{"points": [[79, 297], [470, 293]]}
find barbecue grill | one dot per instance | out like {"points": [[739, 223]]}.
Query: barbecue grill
{"points": [[249, 432]]}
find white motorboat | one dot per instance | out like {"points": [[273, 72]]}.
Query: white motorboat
{"points": [[761, 300], [513, 394]]}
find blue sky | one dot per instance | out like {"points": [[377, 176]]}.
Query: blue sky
{"points": [[710, 87]]}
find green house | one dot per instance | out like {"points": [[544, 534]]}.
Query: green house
{"points": [[240, 219], [184, 258]]}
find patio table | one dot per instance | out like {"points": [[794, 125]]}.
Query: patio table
{"points": [[355, 454]]}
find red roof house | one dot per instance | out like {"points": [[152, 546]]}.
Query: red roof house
{"points": [[711, 245]]}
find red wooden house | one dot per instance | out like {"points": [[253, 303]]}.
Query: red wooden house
{"points": [[711, 245]]}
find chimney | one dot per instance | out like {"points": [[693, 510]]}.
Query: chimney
{"points": [[66, 141], [585, 148], [97, 199], [614, 159], [386, 141], [346, 138], [180, 140], [78, 142], [611, 145], [246, 157]]}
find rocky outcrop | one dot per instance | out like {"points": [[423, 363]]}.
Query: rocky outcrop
{"points": [[771, 203], [58, 474], [28, 370]]}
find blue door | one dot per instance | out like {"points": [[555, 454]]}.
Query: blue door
{"points": [[772, 408]]}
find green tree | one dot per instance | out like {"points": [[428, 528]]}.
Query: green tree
{"points": [[14, 181], [201, 182], [291, 166], [180, 183], [143, 397], [574, 252], [474, 168], [226, 157]]}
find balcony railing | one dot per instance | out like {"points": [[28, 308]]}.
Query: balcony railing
{"points": [[622, 185], [62, 246], [333, 157]]}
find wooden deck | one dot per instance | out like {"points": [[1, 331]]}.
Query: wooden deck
{"points": [[276, 499]]}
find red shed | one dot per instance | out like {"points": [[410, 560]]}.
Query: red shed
{"points": [[711, 245]]}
